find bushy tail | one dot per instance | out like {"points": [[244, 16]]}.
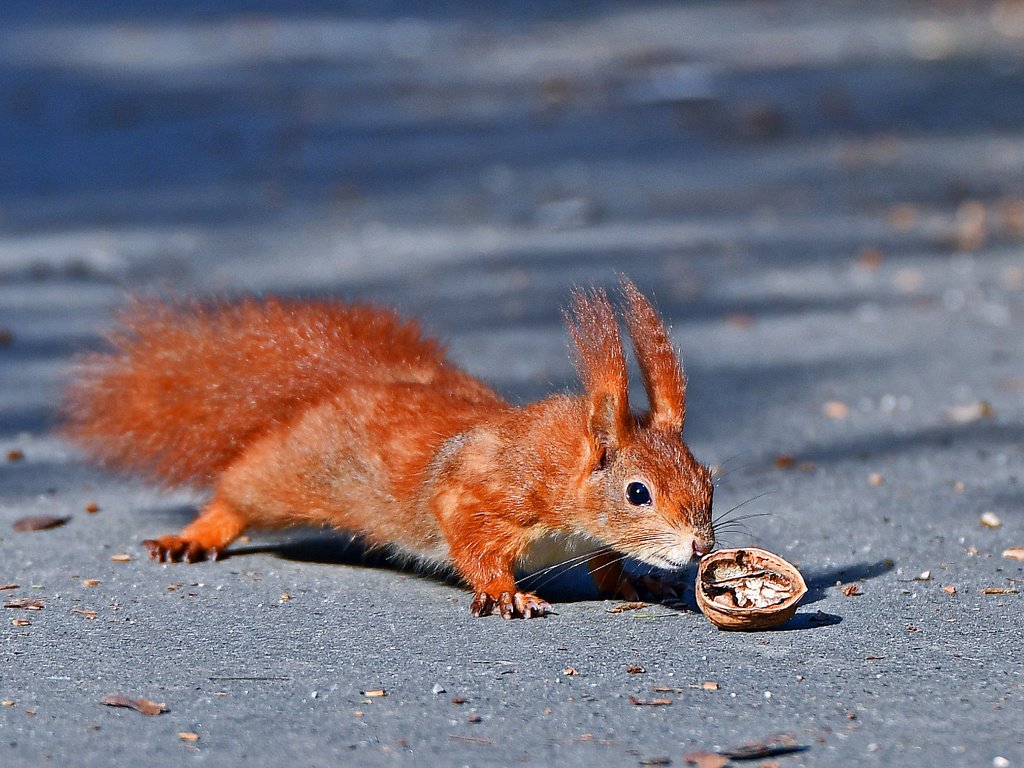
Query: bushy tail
{"points": [[187, 386]]}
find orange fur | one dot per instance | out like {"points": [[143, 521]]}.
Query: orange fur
{"points": [[326, 413]]}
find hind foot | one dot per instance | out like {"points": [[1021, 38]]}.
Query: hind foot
{"points": [[175, 549]]}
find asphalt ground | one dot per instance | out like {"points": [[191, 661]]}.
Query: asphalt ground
{"points": [[826, 200]]}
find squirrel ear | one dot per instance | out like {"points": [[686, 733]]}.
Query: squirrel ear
{"points": [[608, 427], [660, 368], [602, 367]]}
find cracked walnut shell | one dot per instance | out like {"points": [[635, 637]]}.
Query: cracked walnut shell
{"points": [[748, 589]]}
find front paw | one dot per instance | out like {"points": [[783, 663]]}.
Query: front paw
{"points": [[175, 549], [518, 605]]}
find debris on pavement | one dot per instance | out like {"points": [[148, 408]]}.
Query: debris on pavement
{"points": [[143, 706], [24, 603], [649, 702], [38, 523], [623, 607], [990, 520], [705, 759], [780, 744]]}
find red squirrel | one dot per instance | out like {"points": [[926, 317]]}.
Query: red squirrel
{"points": [[325, 413]]}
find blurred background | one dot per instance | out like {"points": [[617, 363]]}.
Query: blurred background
{"points": [[798, 182], [784, 175]]}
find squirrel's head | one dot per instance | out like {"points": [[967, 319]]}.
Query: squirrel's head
{"points": [[646, 494]]}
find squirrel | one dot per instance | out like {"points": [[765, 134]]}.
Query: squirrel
{"points": [[326, 413]]}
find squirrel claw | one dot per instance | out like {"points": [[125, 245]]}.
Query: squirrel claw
{"points": [[520, 605], [175, 549]]}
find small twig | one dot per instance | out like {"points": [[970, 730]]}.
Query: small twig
{"points": [[471, 739]]}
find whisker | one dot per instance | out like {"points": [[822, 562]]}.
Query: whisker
{"points": [[723, 517], [741, 518], [601, 567], [733, 470], [728, 539], [727, 470], [570, 562]]}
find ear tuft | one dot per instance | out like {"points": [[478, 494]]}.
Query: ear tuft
{"points": [[601, 365], [660, 368]]}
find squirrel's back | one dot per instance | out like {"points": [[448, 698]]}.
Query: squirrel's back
{"points": [[188, 386]]}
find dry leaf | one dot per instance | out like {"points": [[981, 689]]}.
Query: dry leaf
{"points": [[703, 759], [784, 461], [912, 628], [649, 702], [852, 590], [1014, 553], [780, 744], [143, 706], [38, 523], [569, 671], [623, 607], [990, 520], [91, 583], [869, 259], [835, 409], [949, 589], [635, 669], [21, 623], [188, 736], [285, 597], [7, 702], [122, 557], [25, 603]]}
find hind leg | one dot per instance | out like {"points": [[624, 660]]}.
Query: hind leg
{"points": [[204, 538]]}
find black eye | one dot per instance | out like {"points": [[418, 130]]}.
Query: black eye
{"points": [[638, 494]]}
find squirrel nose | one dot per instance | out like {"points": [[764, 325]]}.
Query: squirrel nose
{"points": [[700, 549]]}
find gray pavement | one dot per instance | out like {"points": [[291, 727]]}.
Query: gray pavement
{"points": [[827, 200]]}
